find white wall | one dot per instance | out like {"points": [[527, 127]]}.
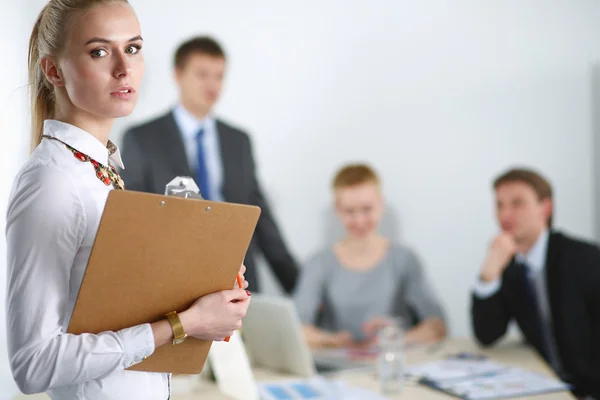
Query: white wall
{"points": [[440, 96], [15, 27], [596, 144]]}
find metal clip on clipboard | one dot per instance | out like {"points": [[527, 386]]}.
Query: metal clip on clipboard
{"points": [[183, 186]]}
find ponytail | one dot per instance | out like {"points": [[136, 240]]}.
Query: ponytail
{"points": [[42, 94]]}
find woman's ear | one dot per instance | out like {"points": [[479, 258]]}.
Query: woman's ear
{"points": [[52, 72]]}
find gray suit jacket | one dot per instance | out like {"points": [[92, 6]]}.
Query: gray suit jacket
{"points": [[154, 153]]}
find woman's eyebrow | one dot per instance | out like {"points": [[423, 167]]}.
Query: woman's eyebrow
{"points": [[106, 41]]}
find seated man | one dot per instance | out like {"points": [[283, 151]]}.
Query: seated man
{"points": [[548, 282], [364, 280]]}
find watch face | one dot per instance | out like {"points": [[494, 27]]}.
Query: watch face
{"points": [[178, 341]]}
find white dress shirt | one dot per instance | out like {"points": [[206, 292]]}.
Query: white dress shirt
{"points": [[53, 216], [535, 259], [189, 126]]}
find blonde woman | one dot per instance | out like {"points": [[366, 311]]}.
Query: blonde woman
{"points": [[85, 68], [346, 292]]}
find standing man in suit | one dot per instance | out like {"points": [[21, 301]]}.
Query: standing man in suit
{"points": [[189, 140], [546, 281]]}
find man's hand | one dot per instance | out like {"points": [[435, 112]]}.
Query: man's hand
{"points": [[502, 249]]}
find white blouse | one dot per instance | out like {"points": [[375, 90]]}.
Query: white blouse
{"points": [[53, 216]]}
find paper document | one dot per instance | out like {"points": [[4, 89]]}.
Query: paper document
{"points": [[482, 380], [238, 382], [317, 388], [452, 369], [511, 382]]}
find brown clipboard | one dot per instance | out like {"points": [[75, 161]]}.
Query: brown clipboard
{"points": [[154, 254]]}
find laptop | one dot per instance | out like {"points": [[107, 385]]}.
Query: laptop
{"points": [[272, 334]]}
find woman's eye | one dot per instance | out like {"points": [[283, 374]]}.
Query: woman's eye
{"points": [[98, 53], [133, 49]]}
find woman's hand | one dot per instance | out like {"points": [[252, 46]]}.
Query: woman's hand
{"points": [[318, 338], [373, 326], [337, 339], [217, 315], [431, 330]]}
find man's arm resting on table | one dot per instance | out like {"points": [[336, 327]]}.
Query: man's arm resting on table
{"points": [[489, 316]]}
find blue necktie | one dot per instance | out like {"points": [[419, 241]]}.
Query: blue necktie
{"points": [[201, 169]]}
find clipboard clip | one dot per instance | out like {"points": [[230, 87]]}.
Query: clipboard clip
{"points": [[183, 186]]}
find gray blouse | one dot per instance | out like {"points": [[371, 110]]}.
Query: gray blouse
{"points": [[395, 287]]}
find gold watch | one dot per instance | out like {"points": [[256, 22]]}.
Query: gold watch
{"points": [[179, 334]]}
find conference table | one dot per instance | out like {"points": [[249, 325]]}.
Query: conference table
{"points": [[509, 352]]}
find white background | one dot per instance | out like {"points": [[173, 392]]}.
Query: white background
{"points": [[439, 96], [15, 27]]}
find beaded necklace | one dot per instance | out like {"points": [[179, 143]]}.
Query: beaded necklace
{"points": [[107, 175]]}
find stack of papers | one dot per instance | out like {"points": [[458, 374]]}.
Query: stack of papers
{"points": [[511, 382], [482, 380], [452, 369], [317, 388]]}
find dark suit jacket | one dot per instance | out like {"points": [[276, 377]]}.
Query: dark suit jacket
{"points": [[573, 280], [154, 154]]}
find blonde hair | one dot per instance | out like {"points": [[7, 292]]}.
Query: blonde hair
{"points": [[354, 174], [48, 39]]}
